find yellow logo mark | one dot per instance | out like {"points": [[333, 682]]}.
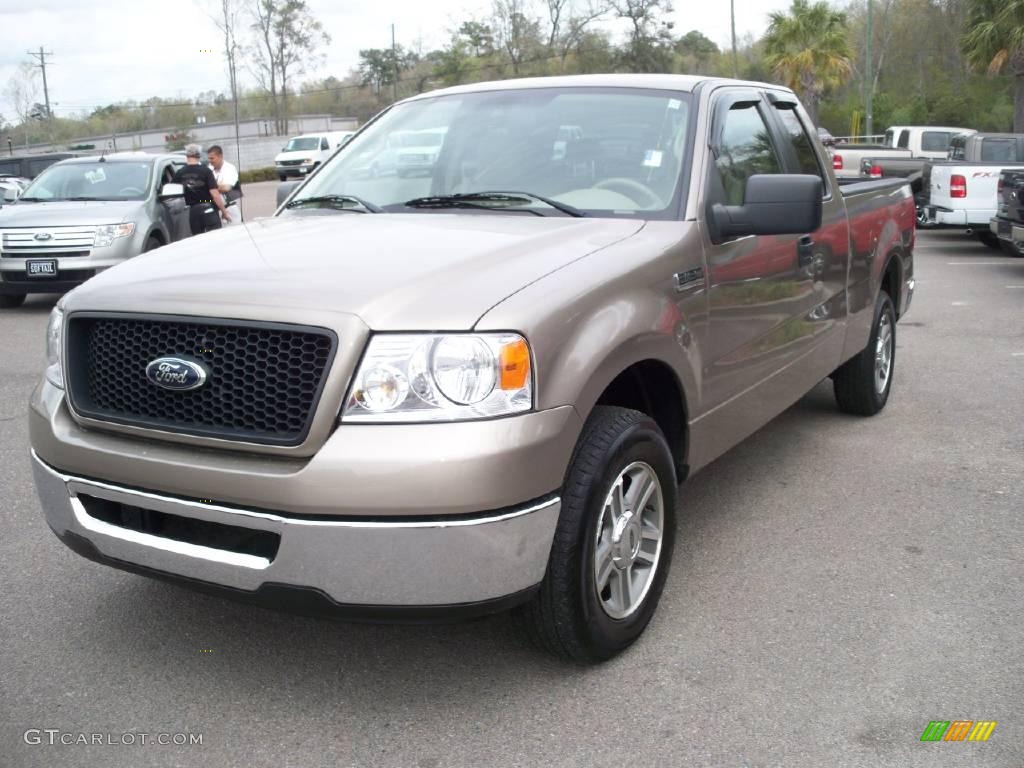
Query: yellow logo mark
{"points": [[982, 730]]}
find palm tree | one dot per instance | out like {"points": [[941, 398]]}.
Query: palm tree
{"points": [[994, 40], [808, 50]]}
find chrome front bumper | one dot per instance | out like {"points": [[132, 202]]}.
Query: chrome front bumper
{"points": [[440, 562]]}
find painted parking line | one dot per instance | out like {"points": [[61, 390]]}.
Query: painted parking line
{"points": [[976, 263]]}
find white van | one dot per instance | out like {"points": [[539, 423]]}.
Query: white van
{"points": [[304, 153]]}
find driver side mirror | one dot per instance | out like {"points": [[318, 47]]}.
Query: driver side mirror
{"points": [[284, 189], [773, 204], [171, 190], [10, 195]]}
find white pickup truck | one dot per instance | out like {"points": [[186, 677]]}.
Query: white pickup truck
{"points": [[902, 142], [965, 196]]}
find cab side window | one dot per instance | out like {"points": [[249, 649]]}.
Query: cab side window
{"points": [[745, 149], [796, 134], [324, 144], [904, 142]]}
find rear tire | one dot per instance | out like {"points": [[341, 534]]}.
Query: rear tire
{"points": [[616, 530], [862, 384], [989, 239], [11, 300], [282, 177]]}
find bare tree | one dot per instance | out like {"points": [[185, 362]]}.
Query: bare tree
{"points": [[226, 18], [515, 29], [287, 39], [22, 91], [646, 51], [263, 66], [566, 22]]}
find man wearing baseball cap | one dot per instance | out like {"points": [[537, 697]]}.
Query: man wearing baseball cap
{"points": [[201, 194]]}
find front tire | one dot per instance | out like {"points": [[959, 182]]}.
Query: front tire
{"points": [[152, 244], [1011, 249], [862, 384], [613, 544], [11, 300]]}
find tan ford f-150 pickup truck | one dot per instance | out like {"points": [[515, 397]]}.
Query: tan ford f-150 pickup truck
{"points": [[481, 388]]}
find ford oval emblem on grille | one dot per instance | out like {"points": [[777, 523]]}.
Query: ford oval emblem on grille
{"points": [[43, 236], [175, 373]]}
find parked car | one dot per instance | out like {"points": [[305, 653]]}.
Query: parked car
{"points": [[84, 215], [1008, 224], [965, 196], [928, 141], [901, 143], [420, 152], [967, 148], [11, 188], [485, 397], [30, 166], [304, 153], [847, 159]]}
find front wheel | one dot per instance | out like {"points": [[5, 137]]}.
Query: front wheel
{"points": [[11, 300], [862, 384], [613, 544]]}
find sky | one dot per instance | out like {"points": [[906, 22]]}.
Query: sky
{"points": [[106, 51]]}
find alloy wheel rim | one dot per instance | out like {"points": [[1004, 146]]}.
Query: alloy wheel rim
{"points": [[628, 540], [883, 354]]}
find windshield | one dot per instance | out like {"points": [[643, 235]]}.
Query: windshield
{"points": [[605, 151], [92, 181], [296, 145]]}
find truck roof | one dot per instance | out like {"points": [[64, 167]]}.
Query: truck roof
{"points": [[687, 83]]}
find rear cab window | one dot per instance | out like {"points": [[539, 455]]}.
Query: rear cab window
{"points": [[999, 150], [935, 141], [904, 141]]}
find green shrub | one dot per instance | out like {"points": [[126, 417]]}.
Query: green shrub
{"points": [[257, 174]]}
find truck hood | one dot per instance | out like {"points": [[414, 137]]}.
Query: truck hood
{"points": [[69, 213], [395, 271]]}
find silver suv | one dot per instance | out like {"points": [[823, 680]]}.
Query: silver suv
{"points": [[84, 215]]}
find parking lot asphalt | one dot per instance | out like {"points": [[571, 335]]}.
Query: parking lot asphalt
{"points": [[838, 583]]}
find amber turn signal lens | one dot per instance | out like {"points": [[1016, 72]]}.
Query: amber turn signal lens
{"points": [[515, 365]]}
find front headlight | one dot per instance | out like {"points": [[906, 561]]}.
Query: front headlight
{"points": [[108, 233], [435, 377], [54, 335]]}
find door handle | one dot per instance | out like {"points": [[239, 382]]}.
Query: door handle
{"points": [[805, 251]]}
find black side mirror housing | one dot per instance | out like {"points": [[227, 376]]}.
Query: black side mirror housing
{"points": [[284, 189], [773, 204]]}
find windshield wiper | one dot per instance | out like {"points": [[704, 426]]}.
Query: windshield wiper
{"points": [[367, 207], [32, 199], [480, 200]]}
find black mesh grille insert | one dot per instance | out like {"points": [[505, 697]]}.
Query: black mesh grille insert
{"points": [[263, 385]]}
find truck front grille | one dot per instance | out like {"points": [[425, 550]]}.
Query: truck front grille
{"points": [[263, 384]]}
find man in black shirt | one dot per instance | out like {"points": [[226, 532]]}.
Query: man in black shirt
{"points": [[201, 194]]}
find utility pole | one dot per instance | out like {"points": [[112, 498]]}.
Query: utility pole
{"points": [[869, 80], [40, 56], [394, 64], [735, 58]]}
